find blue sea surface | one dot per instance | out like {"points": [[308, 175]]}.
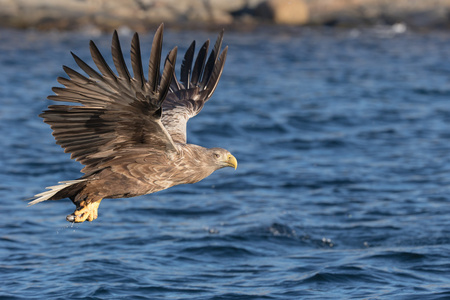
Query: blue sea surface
{"points": [[342, 189]]}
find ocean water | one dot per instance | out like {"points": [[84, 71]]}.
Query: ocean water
{"points": [[342, 189]]}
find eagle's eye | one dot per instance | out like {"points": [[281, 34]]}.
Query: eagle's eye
{"points": [[216, 155]]}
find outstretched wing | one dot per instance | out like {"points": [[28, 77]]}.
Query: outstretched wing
{"points": [[197, 84], [119, 115]]}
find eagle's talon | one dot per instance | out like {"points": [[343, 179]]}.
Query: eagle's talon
{"points": [[84, 212], [70, 218]]}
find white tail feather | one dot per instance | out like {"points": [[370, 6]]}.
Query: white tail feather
{"points": [[52, 190]]}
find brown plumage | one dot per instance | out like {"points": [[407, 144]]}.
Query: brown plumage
{"points": [[130, 132]]}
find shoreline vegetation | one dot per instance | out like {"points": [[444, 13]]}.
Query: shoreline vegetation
{"points": [[208, 14]]}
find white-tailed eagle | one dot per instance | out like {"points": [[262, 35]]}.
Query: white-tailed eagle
{"points": [[130, 132]]}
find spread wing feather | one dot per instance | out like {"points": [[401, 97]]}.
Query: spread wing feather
{"points": [[211, 61], [119, 61], [185, 74], [199, 63], [136, 61], [114, 116], [101, 64], [155, 59], [168, 75], [197, 84]]}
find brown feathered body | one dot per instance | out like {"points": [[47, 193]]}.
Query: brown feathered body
{"points": [[141, 174], [129, 131]]}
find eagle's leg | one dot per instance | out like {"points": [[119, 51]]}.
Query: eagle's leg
{"points": [[85, 211]]}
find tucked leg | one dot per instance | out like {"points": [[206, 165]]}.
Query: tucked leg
{"points": [[84, 212]]}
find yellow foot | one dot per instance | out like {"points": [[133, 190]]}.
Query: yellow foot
{"points": [[84, 212]]}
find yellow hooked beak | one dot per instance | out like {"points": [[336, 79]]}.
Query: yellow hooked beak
{"points": [[232, 161]]}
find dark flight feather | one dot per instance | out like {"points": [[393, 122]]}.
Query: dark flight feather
{"points": [[186, 66], [217, 72], [101, 63], [169, 70], [211, 61], [75, 76], [199, 63], [118, 59], [155, 60], [86, 68], [136, 62]]}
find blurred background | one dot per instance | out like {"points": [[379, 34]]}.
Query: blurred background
{"points": [[337, 111], [142, 14]]}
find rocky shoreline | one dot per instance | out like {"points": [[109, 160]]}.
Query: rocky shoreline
{"points": [[144, 14]]}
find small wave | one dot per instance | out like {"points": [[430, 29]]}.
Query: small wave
{"points": [[352, 275], [399, 256], [181, 212], [219, 251], [432, 92]]}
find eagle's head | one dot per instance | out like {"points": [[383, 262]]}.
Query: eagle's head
{"points": [[222, 158]]}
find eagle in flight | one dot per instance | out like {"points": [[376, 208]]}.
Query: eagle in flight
{"points": [[130, 132]]}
